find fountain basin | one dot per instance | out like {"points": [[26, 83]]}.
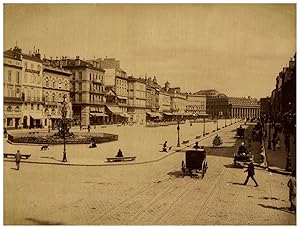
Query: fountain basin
{"points": [[48, 138]]}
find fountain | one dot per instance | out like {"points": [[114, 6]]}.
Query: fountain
{"points": [[63, 136]]}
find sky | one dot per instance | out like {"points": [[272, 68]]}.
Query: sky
{"points": [[237, 49]]}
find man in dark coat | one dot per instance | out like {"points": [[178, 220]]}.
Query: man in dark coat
{"points": [[251, 174], [18, 159]]}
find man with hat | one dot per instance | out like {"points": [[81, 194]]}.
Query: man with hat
{"points": [[251, 173]]}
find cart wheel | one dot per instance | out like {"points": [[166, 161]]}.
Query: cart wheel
{"points": [[182, 169], [203, 168]]}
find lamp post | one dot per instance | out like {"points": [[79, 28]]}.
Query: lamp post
{"points": [[204, 126], [269, 142], [64, 126], [178, 128]]}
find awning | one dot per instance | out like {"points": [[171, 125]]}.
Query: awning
{"points": [[124, 115], [121, 97], [178, 113], [36, 116], [167, 113], [98, 114], [154, 114], [115, 110]]}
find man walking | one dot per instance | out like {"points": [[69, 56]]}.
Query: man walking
{"points": [[251, 174], [18, 159], [292, 191]]}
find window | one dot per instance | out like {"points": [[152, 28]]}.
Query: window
{"points": [[17, 77], [53, 97], [9, 76], [47, 82], [80, 75], [31, 106], [54, 84], [9, 122], [9, 108], [17, 92], [90, 76]]}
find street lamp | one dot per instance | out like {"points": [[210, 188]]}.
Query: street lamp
{"points": [[64, 126], [178, 128], [269, 142], [204, 126]]}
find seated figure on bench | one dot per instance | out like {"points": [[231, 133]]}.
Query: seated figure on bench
{"points": [[120, 153], [93, 143], [45, 147]]}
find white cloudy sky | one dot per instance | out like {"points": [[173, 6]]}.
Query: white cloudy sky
{"points": [[235, 48]]}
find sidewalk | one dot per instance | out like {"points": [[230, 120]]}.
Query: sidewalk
{"points": [[276, 159]]}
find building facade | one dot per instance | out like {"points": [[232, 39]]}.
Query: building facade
{"points": [[12, 85], [137, 100], [87, 90], [32, 90], [196, 104], [56, 86]]}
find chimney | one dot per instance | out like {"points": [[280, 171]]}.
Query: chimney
{"points": [[37, 54], [77, 60]]}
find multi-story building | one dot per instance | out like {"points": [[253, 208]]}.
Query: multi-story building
{"points": [[115, 78], [12, 88], [86, 90], [56, 86], [137, 99], [219, 105], [32, 90], [265, 106], [152, 99], [164, 102], [196, 104]]}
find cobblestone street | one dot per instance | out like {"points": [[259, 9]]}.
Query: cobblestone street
{"points": [[147, 194]]}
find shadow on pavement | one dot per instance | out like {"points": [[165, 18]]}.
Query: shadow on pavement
{"points": [[42, 222], [13, 168], [53, 158], [176, 174], [235, 183], [284, 209], [232, 166]]}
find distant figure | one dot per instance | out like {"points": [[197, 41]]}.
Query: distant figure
{"points": [[5, 132], [274, 142], [120, 153], [241, 127], [165, 147], [242, 149], [18, 159], [292, 191], [196, 146], [251, 174], [89, 128]]}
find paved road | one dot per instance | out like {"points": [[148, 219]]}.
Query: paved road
{"points": [[149, 194]]}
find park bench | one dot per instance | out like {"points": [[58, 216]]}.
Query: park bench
{"points": [[185, 142], [24, 156], [115, 159]]}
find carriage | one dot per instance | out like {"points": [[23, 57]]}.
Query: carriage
{"points": [[194, 160], [240, 132], [242, 157]]}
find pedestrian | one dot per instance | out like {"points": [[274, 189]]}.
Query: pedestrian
{"points": [[196, 146], [89, 128], [18, 159], [251, 174], [292, 191]]}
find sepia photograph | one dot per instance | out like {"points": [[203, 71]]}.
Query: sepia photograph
{"points": [[144, 114]]}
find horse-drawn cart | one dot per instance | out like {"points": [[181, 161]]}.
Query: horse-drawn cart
{"points": [[194, 160]]}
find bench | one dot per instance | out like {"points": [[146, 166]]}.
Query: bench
{"points": [[114, 159], [198, 137], [24, 156], [185, 142]]}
